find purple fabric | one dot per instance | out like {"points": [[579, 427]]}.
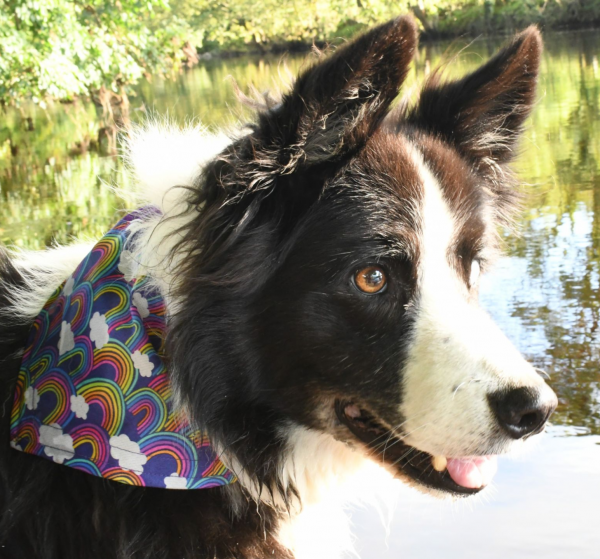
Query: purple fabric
{"points": [[93, 392]]}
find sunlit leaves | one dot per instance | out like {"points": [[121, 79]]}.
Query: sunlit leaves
{"points": [[61, 48]]}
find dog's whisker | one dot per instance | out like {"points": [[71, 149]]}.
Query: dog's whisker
{"points": [[468, 381], [542, 372]]}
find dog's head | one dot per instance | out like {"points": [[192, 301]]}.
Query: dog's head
{"points": [[331, 270]]}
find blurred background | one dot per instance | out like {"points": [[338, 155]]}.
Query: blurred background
{"points": [[75, 76]]}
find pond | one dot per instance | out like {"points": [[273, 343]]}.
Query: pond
{"points": [[544, 294]]}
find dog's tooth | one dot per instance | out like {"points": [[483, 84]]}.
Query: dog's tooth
{"points": [[439, 463]]}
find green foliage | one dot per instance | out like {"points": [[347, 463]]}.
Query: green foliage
{"points": [[65, 48]]}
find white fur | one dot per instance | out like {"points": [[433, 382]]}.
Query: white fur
{"points": [[330, 477], [45, 271], [457, 355], [163, 157], [475, 273]]}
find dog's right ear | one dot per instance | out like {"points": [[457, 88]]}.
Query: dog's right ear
{"points": [[338, 103]]}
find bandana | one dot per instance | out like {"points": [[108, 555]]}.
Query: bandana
{"points": [[93, 391]]}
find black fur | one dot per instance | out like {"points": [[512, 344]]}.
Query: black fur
{"points": [[271, 330]]}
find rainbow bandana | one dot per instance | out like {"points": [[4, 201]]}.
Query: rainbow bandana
{"points": [[93, 392]]}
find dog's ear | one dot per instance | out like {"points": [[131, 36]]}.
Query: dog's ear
{"points": [[482, 114], [336, 104]]}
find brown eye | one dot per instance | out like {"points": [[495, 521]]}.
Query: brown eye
{"points": [[370, 279]]}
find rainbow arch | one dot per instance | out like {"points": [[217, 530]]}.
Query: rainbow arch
{"points": [[174, 445], [58, 383], [149, 410], [117, 356], [107, 395], [123, 476], [90, 434]]}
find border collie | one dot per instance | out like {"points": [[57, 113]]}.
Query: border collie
{"points": [[320, 272]]}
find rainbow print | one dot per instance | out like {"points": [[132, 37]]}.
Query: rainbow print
{"points": [[93, 392]]}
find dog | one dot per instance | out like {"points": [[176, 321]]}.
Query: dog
{"points": [[319, 270]]}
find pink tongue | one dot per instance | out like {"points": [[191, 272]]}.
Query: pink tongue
{"points": [[474, 472]]}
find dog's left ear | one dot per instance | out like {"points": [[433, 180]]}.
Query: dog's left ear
{"points": [[482, 114]]}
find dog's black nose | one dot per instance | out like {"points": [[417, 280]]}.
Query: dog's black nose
{"points": [[523, 411]]}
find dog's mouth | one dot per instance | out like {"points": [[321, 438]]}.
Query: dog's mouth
{"points": [[458, 476]]}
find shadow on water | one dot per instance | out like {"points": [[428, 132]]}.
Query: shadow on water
{"points": [[545, 294]]}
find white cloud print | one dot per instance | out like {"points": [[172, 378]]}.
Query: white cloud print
{"points": [[66, 340], [32, 398], [127, 265], [128, 453], [79, 406], [142, 363], [99, 330], [57, 445], [68, 287], [141, 304], [175, 481]]}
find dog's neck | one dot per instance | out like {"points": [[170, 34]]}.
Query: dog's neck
{"points": [[327, 476]]}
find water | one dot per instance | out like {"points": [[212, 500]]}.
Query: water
{"points": [[544, 294]]}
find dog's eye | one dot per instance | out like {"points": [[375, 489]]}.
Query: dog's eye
{"points": [[370, 279], [475, 272]]}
